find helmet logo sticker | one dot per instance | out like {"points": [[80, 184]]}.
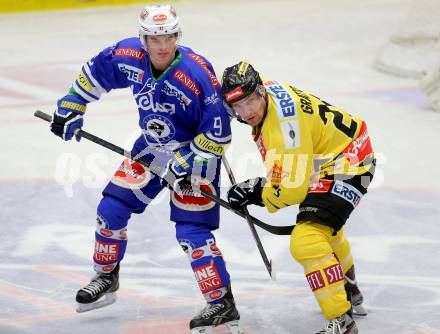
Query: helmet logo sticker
{"points": [[243, 68], [143, 14], [160, 18], [237, 92]]}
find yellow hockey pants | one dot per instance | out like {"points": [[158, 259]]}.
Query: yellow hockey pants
{"points": [[326, 259]]}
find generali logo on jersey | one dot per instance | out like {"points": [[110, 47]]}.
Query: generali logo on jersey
{"points": [[187, 81], [106, 252], [207, 277], [130, 53], [199, 60]]}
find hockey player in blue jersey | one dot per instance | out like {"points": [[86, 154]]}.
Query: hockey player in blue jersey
{"points": [[180, 110]]}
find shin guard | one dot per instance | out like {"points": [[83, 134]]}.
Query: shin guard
{"points": [[206, 259], [110, 234]]}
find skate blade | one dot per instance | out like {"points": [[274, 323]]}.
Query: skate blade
{"points": [[234, 327], [231, 327], [359, 311], [105, 300]]}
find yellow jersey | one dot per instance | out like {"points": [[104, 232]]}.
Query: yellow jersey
{"points": [[303, 140]]}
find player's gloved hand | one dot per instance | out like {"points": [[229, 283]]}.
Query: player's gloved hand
{"points": [[68, 116], [178, 169], [245, 193]]}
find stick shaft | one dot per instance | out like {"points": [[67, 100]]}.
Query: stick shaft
{"points": [[279, 230], [260, 247]]}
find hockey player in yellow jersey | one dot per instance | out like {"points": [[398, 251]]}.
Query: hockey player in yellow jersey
{"points": [[318, 156]]}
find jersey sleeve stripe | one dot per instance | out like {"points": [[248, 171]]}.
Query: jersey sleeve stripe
{"points": [[226, 140], [202, 153], [93, 81], [83, 93]]}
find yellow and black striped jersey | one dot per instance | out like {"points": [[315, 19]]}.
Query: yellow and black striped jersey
{"points": [[304, 139]]}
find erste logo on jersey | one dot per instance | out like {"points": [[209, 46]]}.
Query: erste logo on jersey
{"points": [[158, 129], [347, 192], [132, 73], [170, 90], [283, 99]]}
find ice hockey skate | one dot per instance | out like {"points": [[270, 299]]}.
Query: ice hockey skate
{"points": [[100, 292], [356, 303], [223, 312], [354, 294], [340, 325]]}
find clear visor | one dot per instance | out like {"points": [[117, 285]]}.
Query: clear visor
{"points": [[249, 101], [160, 40]]}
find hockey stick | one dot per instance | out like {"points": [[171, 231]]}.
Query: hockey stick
{"points": [[278, 230], [267, 263]]}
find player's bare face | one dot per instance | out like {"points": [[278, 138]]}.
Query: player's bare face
{"points": [[251, 109], [161, 50]]}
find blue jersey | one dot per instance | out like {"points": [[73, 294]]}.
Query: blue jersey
{"points": [[182, 106]]}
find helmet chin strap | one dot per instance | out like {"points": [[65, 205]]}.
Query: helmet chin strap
{"points": [[266, 105], [237, 116], [143, 42]]}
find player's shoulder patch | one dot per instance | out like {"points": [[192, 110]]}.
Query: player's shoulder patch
{"points": [[199, 69], [184, 76], [129, 48], [283, 99], [206, 67]]}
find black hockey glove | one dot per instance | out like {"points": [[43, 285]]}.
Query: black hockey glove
{"points": [[68, 117], [178, 170], [245, 193]]}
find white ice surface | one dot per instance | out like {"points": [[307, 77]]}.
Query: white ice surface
{"points": [[49, 189]]}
